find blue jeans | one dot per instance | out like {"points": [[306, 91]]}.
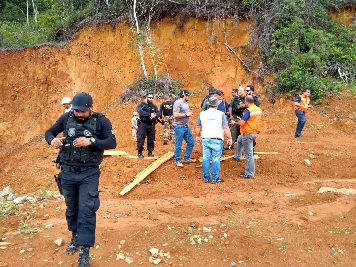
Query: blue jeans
{"points": [[245, 141], [183, 132], [212, 149], [301, 122]]}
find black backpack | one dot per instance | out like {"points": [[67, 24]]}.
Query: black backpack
{"points": [[202, 103]]}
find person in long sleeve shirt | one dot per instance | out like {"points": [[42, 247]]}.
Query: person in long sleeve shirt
{"points": [[149, 114], [86, 135]]}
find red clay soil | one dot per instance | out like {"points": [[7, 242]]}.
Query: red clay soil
{"points": [[277, 219]]}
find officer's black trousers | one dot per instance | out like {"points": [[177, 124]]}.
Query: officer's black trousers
{"points": [[146, 129], [80, 191]]}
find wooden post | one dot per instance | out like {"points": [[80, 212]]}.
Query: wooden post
{"points": [[143, 174]]}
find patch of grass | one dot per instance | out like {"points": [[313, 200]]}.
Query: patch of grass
{"points": [[236, 220], [8, 208], [45, 193], [26, 228]]}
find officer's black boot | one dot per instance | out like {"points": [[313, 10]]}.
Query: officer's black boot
{"points": [[73, 245], [150, 154], [83, 260]]}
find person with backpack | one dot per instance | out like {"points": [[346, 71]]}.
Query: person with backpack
{"points": [[237, 107], [205, 103]]}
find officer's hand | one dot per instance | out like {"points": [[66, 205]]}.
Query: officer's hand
{"points": [[81, 142], [153, 115], [57, 142], [189, 114], [198, 139]]}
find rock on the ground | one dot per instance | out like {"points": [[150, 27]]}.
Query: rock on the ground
{"points": [[232, 264], [19, 200], [6, 191], [11, 197], [129, 260], [344, 191], [120, 256], [59, 242], [154, 251], [154, 260], [307, 162], [312, 156], [122, 242]]}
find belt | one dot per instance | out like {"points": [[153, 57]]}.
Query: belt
{"points": [[67, 168]]}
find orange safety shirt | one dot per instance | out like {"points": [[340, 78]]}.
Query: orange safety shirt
{"points": [[254, 122], [304, 103]]}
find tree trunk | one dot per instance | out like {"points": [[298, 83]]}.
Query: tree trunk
{"points": [[139, 41], [34, 10], [152, 48], [27, 12]]}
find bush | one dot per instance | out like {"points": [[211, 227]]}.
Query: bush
{"points": [[307, 53], [160, 87]]}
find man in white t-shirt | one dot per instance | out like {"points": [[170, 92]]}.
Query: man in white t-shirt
{"points": [[212, 124]]}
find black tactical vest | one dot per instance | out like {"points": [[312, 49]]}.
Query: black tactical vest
{"points": [[80, 156]]}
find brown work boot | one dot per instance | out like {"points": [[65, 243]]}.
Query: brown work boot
{"points": [[189, 161]]}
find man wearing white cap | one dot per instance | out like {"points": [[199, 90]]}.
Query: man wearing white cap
{"points": [[67, 104]]}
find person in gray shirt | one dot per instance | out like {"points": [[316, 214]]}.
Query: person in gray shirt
{"points": [[181, 113]]}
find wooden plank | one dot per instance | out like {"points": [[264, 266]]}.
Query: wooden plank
{"points": [[231, 156], [115, 153], [143, 174], [266, 153], [135, 157]]}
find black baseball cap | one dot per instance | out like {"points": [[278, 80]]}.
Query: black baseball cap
{"points": [[212, 90], [184, 92], [82, 101]]}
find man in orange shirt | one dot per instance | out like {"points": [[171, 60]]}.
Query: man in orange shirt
{"points": [[302, 105], [250, 127]]}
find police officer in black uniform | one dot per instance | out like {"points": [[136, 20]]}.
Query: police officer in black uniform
{"points": [[86, 135], [149, 114]]}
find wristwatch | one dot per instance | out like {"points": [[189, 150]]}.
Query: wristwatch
{"points": [[92, 140]]}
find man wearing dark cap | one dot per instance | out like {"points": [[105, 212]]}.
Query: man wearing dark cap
{"points": [[212, 124], [182, 113], [250, 90], [205, 103], [149, 114], [166, 110], [86, 135]]}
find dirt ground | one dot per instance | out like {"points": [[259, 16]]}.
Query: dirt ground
{"points": [[277, 219]]}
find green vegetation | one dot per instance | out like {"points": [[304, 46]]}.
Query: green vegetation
{"points": [[8, 208], [298, 42], [26, 228], [161, 87], [308, 49]]}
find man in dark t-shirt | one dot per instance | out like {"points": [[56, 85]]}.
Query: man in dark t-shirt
{"points": [[166, 110]]}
